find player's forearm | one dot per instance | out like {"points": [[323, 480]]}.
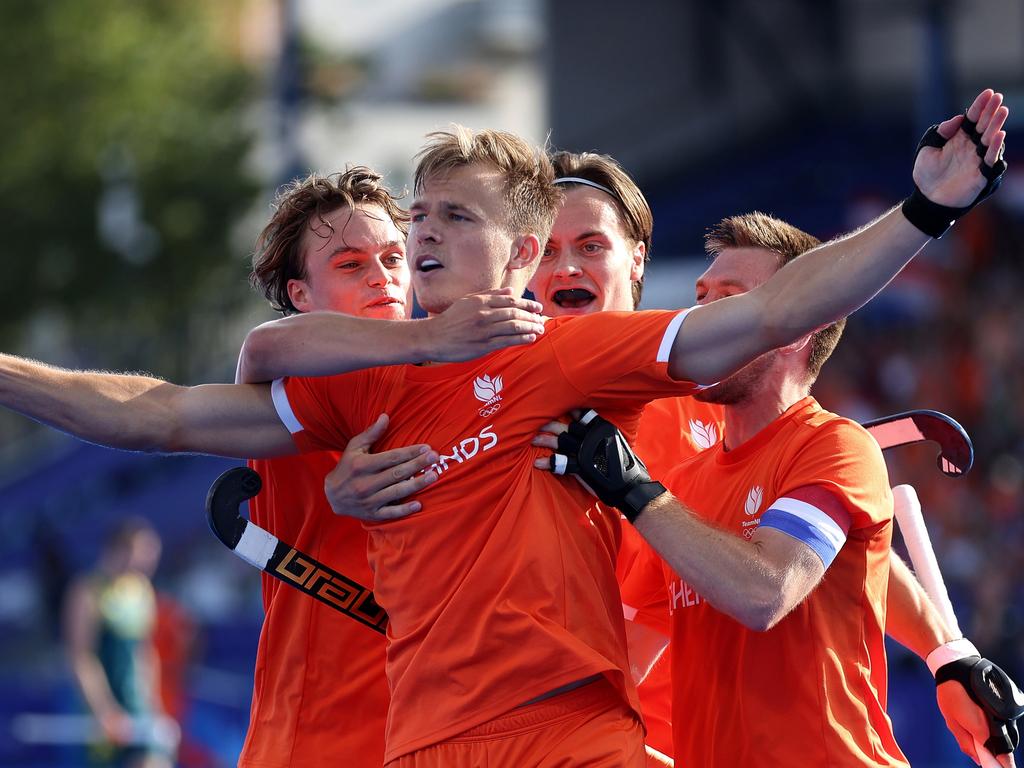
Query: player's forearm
{"points": [[812, 291], [328, 343], [141, 413], [727, 571], [911, 618], [836, 278], [117, 410]]}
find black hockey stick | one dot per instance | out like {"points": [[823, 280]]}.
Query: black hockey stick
{"points": [[263, 550], [956, 452]]}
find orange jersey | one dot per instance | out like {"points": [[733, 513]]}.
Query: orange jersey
{"points": [[812, 690], [671, 430], [503, 587], [320, 694]]}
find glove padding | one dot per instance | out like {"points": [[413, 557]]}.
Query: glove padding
{"points": [[932, 218], [597, 453], [995, 692]]}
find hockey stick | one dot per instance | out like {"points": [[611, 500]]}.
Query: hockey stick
{"points": [[263, 550], [1005, 697], [956, 453]]}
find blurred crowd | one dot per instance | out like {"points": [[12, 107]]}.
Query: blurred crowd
{"points": [[947, 336]]}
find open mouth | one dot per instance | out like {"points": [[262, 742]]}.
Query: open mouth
{"points": [[428, 264], [573, 298]]}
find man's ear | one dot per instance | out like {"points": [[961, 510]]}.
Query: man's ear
{"points": [[298, 292], [636, 269], [526, 249]]}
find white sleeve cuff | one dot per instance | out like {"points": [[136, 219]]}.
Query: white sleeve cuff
{"points": [[951, 651]]}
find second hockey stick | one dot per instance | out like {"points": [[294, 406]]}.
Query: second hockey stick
{"points": [[283, 561]]}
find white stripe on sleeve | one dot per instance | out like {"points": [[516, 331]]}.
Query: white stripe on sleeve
{"points": [[283, 407], [665, 348]]}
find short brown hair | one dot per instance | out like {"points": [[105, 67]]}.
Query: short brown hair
{"points": [[633, 208], [530, 197], [278, 258], [759, 230]]}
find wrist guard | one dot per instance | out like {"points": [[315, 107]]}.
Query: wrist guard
{"points": [[596, 452], [992, 690], [932, 218]]}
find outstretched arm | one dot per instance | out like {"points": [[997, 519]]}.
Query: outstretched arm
{"points": [[834, 279], [326, 343], [141, 413]]}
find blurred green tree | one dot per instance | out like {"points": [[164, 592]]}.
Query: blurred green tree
{"points": [[124, 132]]}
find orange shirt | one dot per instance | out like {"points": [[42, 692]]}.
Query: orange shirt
{"points": [[671, 430], [812, 690], [320, 694], [503, 587]]}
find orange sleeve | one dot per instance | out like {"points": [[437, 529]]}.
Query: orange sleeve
{"points": [[842, 458], [611, 356], [318, 411]]}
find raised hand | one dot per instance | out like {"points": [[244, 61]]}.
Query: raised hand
{"points": [[951, 175], [366, 485], [483, 322]]}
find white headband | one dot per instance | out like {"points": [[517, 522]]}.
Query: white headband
{"points": [[588, 182]]}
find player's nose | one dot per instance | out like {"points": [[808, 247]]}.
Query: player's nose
{"points": [[424, 231], [567, 267], [378, 275]]}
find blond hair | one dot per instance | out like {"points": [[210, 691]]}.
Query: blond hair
{"points": [[531, 200]]}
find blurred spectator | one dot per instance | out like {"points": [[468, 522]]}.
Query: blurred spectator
{"points": [[109, 616]]}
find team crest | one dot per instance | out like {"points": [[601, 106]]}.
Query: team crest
{"points": [[753, 503], [703, 435], [488, 391]]}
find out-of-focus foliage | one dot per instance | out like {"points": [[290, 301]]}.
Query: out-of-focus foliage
{"points": [[123, 138]]}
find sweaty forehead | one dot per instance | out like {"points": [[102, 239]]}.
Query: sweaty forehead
{"points": [[365, 227], [587, 210], [462, 185]]}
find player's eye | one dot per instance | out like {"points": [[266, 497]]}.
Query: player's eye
{"points": [[592, 248]]}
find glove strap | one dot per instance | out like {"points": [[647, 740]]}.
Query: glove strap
{"points": [[639, 497], [929, 217]]}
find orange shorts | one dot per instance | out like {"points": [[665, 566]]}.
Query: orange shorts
{"points": [[590, 726]]}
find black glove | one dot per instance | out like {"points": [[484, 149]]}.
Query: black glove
{"points": [[596, 452], [932, 218], [992, 690]]}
